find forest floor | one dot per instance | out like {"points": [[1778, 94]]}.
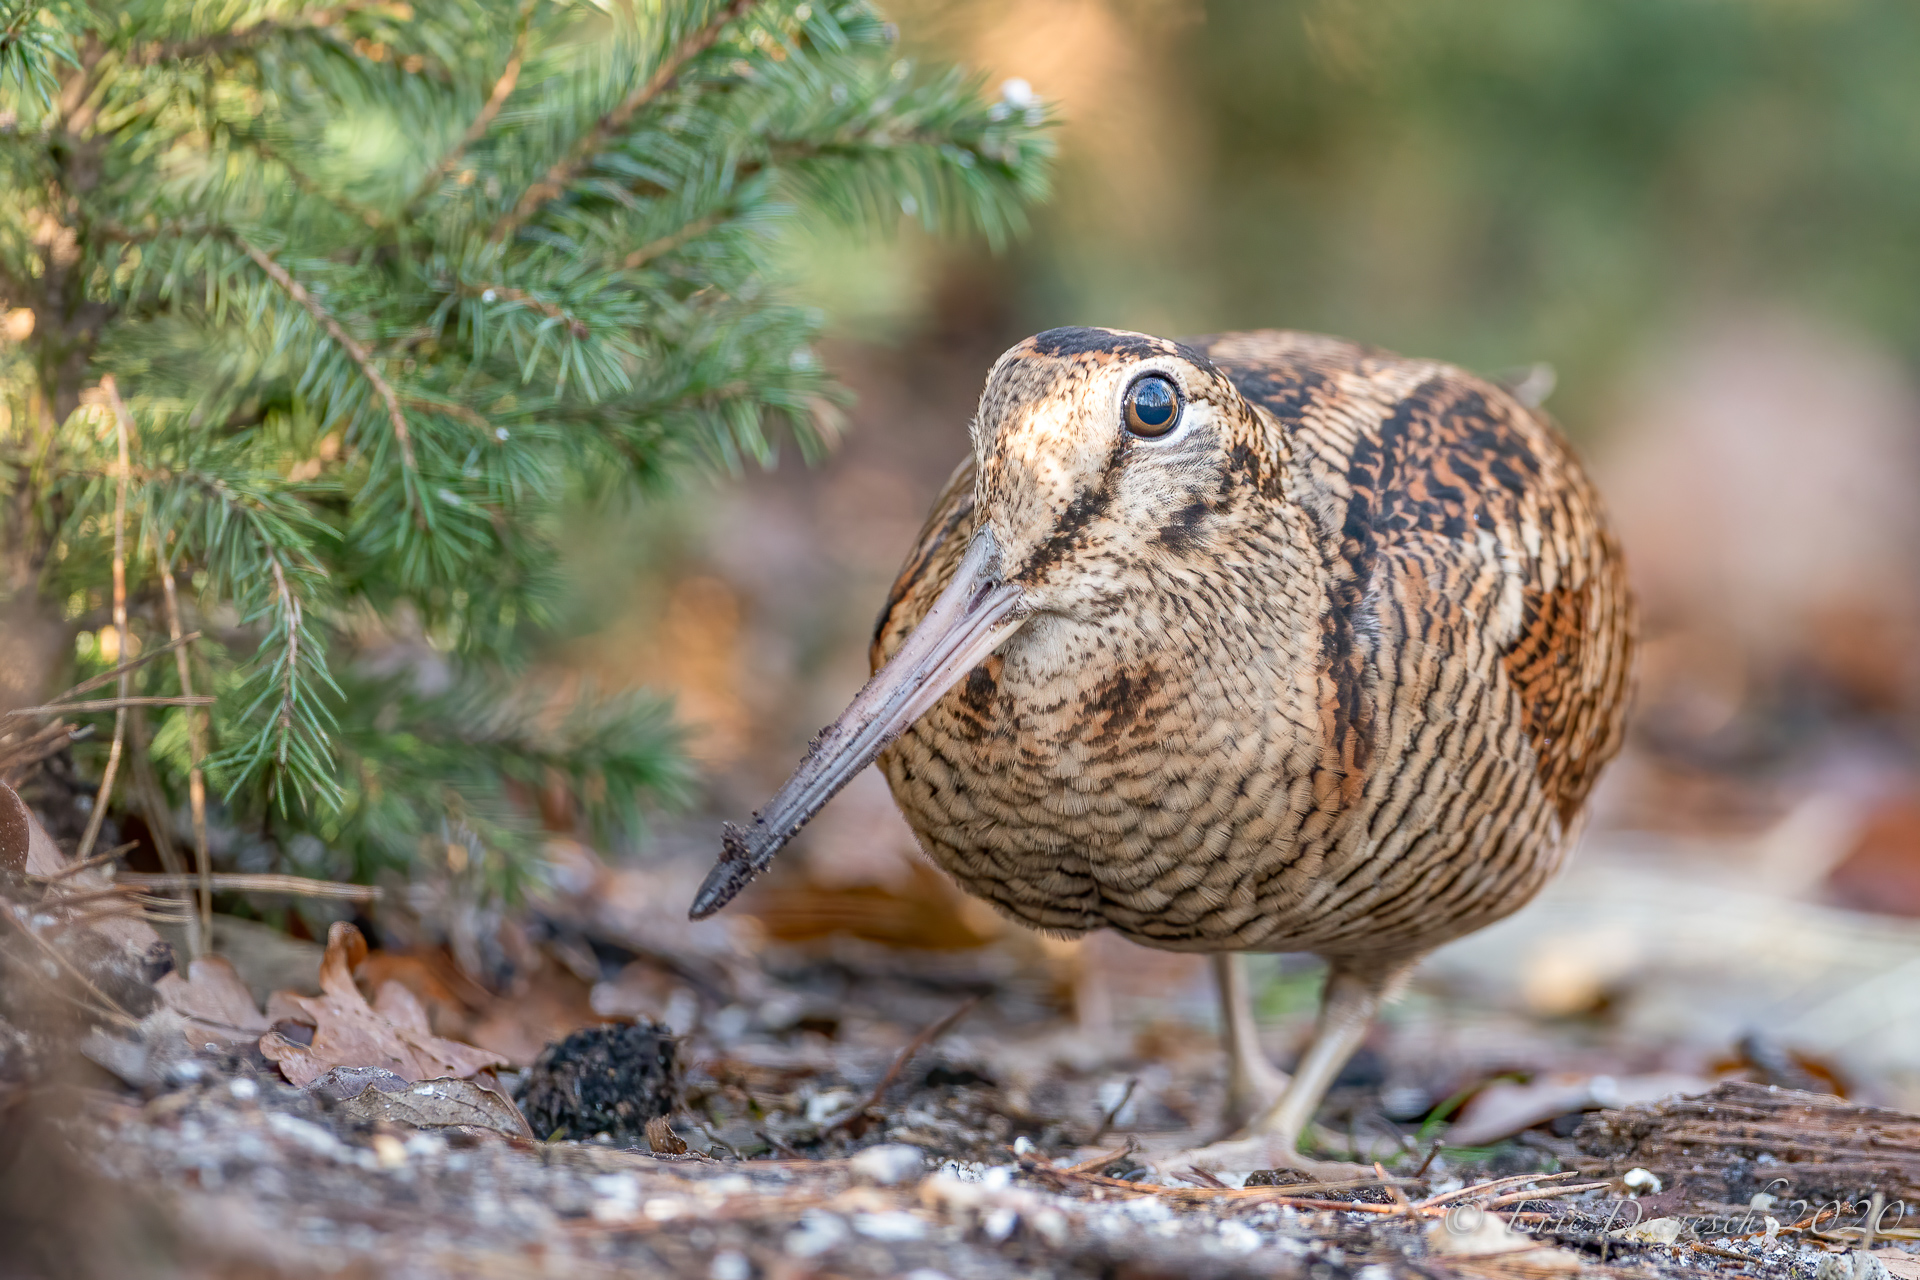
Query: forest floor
{"points": [[847, 1109]]}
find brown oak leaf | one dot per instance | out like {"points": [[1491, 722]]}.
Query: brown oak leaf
{"points": [[216, 1003], [391, 1033]]}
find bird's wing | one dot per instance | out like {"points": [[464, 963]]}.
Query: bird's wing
{"points": [[936, 552], [1416, 465]]}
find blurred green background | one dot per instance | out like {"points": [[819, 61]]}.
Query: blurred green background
{"points": [[1492, 183]]}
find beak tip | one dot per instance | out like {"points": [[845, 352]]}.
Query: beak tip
{"points": [[732, 873]]}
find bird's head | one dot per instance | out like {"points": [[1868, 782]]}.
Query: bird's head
{"points": [[1098, 453]]}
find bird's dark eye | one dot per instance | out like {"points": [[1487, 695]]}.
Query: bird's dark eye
{"points": [[1153, 406]]}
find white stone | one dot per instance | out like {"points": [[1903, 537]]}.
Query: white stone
{"points": [[817, 1233], [890, 1227], [889, 1164]]}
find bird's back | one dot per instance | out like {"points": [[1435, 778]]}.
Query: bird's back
{"points": [[1466, 684]]}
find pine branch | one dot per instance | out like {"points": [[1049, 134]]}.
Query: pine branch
{"points": [[357, 353], [667, 244], [290, 609], [566, 170], [519, 297], [592, 308], [301, 182], [502, 90], [244, 37]]}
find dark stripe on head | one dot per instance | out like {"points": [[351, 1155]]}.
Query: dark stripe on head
{"points": [[1081, 340], [1077, 340]]}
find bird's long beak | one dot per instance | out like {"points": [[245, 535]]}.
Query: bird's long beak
{"points": [[973, 617]]}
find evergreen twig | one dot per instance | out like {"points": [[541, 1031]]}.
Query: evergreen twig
{"points": [[589, 143], [496, 99], [335, 330], [342, 435]]}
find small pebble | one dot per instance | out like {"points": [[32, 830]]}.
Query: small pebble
{"points": [[889, 1164], [1642, 1180], [1241, 1238], [890, 1227], [817, 1233], [730, 1264]]}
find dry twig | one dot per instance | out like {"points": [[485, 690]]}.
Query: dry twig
{"points": [[914, 1046], [108, 677], [240, 882], [1113, 1113], [105, 792], [196, 748], [115, 704], [73, 867]]}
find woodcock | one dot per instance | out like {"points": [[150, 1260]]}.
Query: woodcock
{"points": [[1261, 642]]}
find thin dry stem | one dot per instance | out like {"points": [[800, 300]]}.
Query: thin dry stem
{"points": [[118, 704], [74, 868], [582, 152], [1550, 1193], [197, 750], [18, 753], [239, 882], [1498, 1184], [108, 1005], [291, 604], [153, 804], [108, 677], [105, 792], [914, 1046], [667, 244], [519, 297]]}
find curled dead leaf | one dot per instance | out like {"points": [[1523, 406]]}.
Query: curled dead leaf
{"points": [[214, 1001], [374, 1094], [391, 1033], [663, 1140]]}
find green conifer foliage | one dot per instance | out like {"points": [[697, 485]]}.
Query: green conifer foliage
{"points": [[384, 288]]}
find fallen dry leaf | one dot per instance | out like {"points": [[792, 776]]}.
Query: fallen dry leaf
{"points": [[1488, 1246], [215, 1002], [1900, 1264], [1504, 1108], [391, 1033], [374, 1094], [663, 1140]]}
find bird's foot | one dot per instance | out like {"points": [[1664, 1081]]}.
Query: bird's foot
{"points": [[1253, 1154]]}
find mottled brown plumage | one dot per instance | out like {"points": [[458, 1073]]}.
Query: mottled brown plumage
{"points": [[1329, 666]]}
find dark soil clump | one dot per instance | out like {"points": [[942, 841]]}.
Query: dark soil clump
{"points": [[609, 1080]]}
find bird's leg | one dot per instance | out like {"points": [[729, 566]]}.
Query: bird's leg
{"points": [[1353, 994], [1253, 1083]]}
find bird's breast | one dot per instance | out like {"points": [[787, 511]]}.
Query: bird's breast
{"points": [[1085, 777]]}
